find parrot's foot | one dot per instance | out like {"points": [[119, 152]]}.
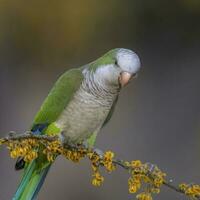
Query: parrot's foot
{"points": [[70, 144], [67, 142]]}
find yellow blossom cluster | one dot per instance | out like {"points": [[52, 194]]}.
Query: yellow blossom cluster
{"points": [[26, 148], [98, 179], [146, 173], [141, 174], [144, 196], [51, 150], [106, 161], [2, 141], [134, 183], [74, 155], [54, 148], [95, 160], [191, 190]]}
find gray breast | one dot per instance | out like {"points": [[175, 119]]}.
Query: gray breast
{"points": [[84, 114]]}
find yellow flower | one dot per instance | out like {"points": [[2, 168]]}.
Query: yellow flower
{"points": [[155, 190], [144, 196], [191, 190], [30, 156], [50, 157], [21, 151], [110, 166], [137, 170], [134, 184], [2, 141], [13, 154], [126, 163], [196, 189], [132, 188], [94, 167], [108, 161], [146, 179], [98, 179], [31, 142], [158, 182], [74, 156], [54, 146], [93, 157], [108, 155], [136, 163], [11, 145], [183, 186]]}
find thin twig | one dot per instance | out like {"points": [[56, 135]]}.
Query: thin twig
{"points": [[28, 135]]}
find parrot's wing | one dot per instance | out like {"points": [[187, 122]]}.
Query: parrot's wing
{"points": [[59, 97]]}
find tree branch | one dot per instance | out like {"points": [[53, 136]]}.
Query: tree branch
{"points": [[25, 144]]}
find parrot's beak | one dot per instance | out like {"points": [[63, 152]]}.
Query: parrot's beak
{"points": [[125, 78]]}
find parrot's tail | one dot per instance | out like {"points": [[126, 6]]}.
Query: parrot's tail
{"points": [[31, 182]]}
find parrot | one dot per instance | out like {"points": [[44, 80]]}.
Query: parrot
{"points": [[80, 103]]}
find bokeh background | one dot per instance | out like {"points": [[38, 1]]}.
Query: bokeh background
{"points": [[158, 115]]}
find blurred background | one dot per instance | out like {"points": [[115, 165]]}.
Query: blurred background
{"points": [[158, 115]]}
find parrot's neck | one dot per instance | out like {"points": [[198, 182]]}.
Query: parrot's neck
{"points": [[93, 83]]}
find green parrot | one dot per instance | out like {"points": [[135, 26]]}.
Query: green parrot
{"points": [[81, 102]]}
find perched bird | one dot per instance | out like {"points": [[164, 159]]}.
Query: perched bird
{"points": [[81, 102]]}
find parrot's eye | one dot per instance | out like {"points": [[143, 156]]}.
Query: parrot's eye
{"points": [[116, 63]]}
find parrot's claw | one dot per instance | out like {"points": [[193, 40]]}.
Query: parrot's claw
{"points": [[67, 143], [71, 146]]}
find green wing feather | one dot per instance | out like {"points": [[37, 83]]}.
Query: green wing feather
{"points": [[58, 98]]}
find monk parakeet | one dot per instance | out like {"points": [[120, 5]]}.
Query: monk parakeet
{"points": [[81, 102]]}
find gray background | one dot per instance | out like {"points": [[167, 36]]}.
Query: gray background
{"points": [[157, 118]]}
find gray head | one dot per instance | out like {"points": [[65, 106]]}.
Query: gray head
{"points": [[116, 67]]}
